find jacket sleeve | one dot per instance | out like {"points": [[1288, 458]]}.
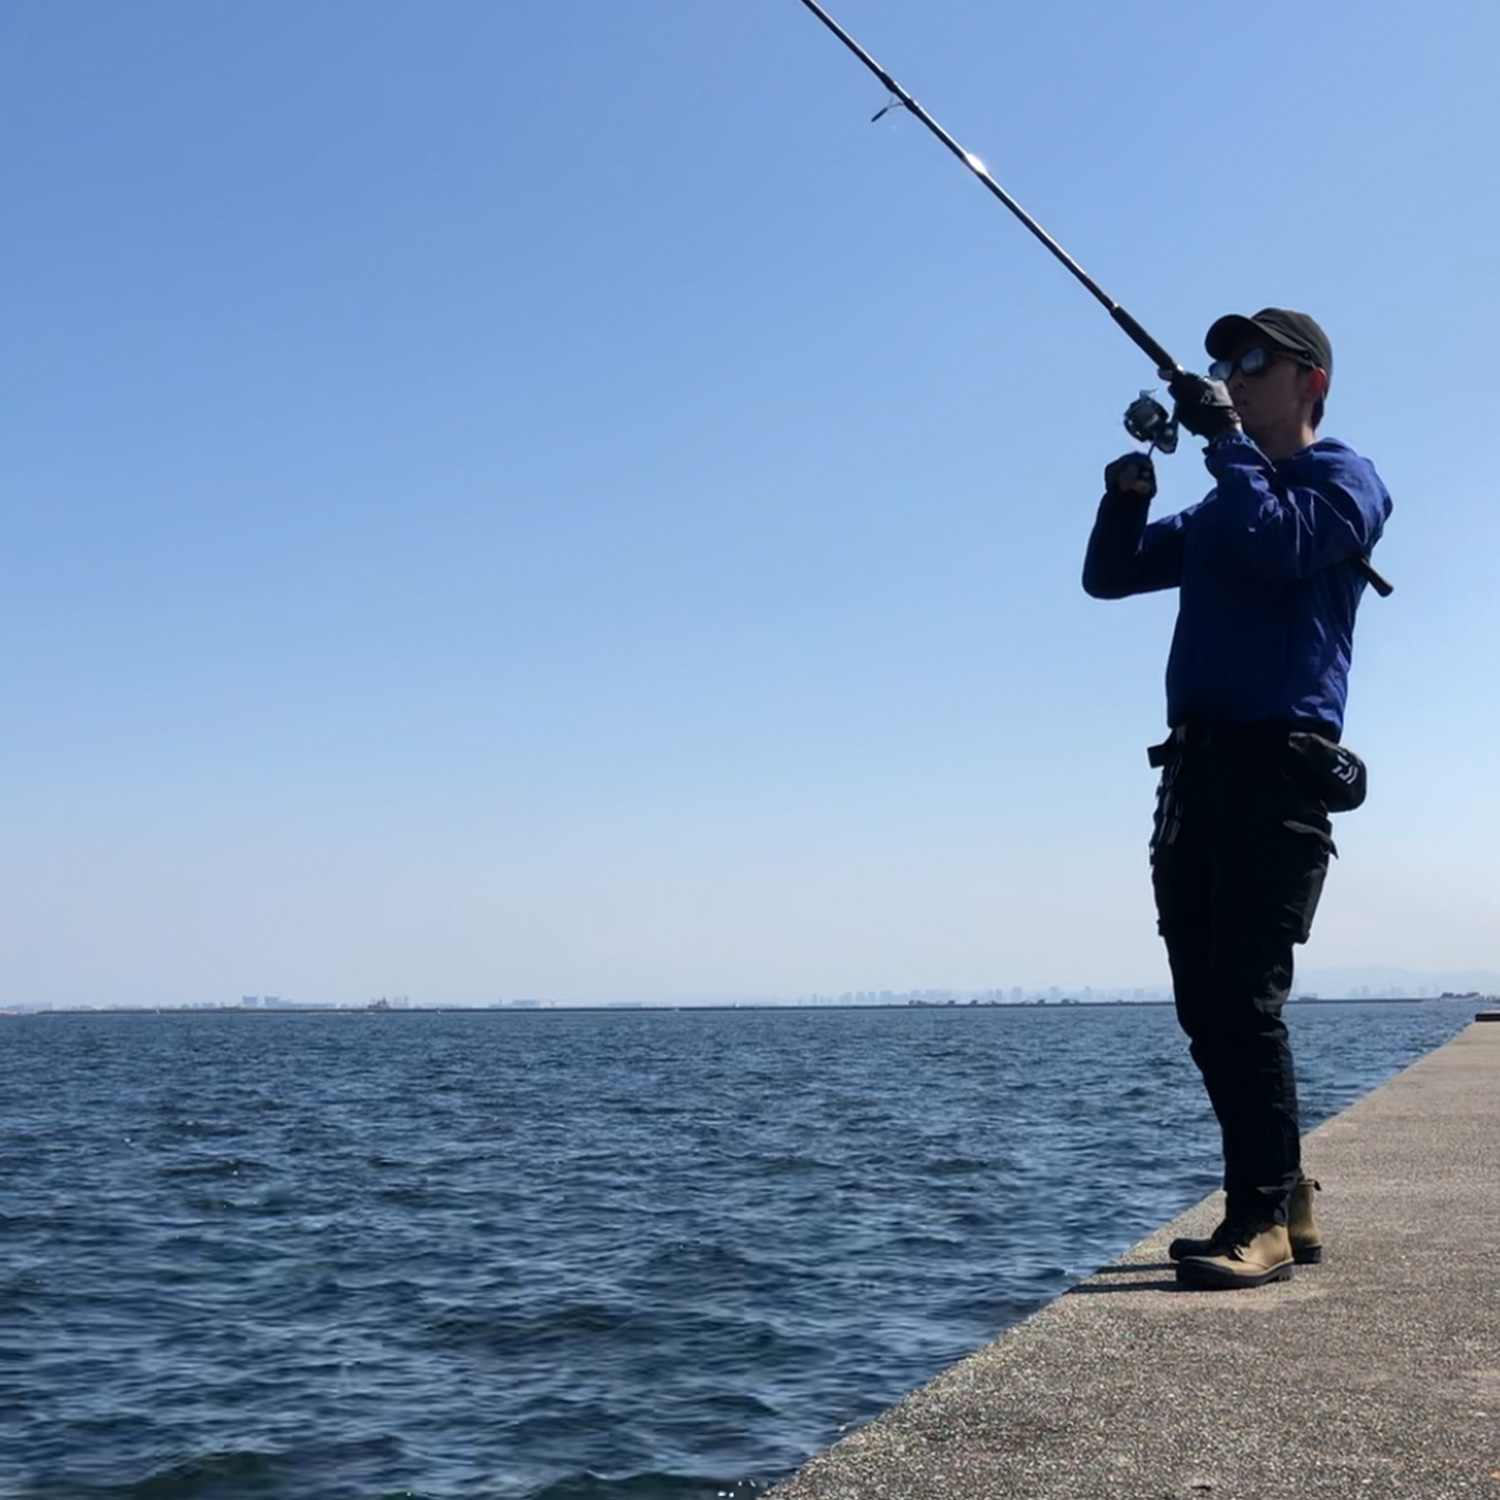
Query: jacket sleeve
{"points": [[1288, 525], [1126, 555]]}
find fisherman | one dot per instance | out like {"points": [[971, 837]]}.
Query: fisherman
{"points": [[1269, 568]]}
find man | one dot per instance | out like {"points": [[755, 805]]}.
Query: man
{"points": [[1269, 570]]}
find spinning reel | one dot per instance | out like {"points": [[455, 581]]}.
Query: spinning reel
{"points": [[1149, 422]]}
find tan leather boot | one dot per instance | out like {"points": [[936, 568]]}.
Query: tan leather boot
{"points": [[1249, 1255], [1301, 1226]]}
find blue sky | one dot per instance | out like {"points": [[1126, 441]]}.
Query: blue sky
{"points": [[523, 499]]}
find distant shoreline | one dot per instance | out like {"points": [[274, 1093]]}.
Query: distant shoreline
{"points": [[636, 1009]]}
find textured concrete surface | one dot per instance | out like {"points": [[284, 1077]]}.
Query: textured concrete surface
{"points": [[1376, 1374]]}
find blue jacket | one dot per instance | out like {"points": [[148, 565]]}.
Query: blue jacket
{"points": [[1265, 572]]}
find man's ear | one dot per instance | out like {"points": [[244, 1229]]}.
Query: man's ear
{"points": [[1317, 385]]}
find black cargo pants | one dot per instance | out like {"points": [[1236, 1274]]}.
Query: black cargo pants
{"points": [[1238, 857]]}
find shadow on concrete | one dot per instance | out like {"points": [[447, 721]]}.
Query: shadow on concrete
{"points": [[1148, 1278]]}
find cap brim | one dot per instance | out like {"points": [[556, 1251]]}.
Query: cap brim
{"points": [[1230, 330], [1235, 328]]}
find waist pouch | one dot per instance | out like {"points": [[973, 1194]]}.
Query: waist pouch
{"points": [[1334, 772], [1337, 772]]}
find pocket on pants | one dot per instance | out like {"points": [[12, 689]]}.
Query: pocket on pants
{"points": [[1306, 869]]}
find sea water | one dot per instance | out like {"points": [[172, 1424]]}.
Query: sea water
{"points": [[551, 1255]]}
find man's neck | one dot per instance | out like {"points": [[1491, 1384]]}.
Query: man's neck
{"points": [[1284, 439]]}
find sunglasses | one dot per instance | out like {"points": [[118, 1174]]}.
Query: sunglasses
{"points": [[1252, 362]]}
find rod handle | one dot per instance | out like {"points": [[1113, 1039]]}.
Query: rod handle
{"points": [[1381, 585], [1143, 341]]}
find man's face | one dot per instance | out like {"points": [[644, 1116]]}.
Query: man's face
{"points": [[1275, 396]]}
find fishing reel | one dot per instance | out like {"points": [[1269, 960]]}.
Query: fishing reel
{"points": [[1149, 422]]}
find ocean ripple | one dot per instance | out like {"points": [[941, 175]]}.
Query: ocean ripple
{"points": [[560, 1256]]}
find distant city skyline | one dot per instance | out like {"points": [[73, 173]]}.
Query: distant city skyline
{"points": [[1371, 984]]}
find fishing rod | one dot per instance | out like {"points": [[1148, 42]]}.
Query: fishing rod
{"points": [[1146, 419]]}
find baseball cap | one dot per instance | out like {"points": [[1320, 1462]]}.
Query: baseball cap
{"points": [[1294, 332]]}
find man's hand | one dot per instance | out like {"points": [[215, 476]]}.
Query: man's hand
{"points": [[1203, 405], [1132, 474]]}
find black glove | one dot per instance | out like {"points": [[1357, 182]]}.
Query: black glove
{"points": [[1203, 405], [1131, 474]]}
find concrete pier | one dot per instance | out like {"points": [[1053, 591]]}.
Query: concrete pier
{"points": [[1374, 1375]]}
